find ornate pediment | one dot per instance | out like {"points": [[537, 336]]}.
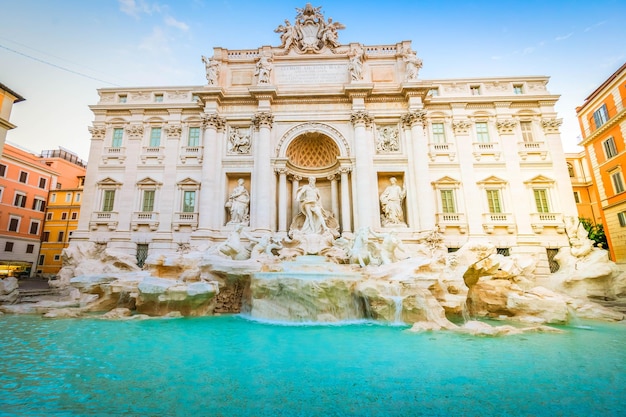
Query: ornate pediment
{"points": [[310, 33], [539, 179]]}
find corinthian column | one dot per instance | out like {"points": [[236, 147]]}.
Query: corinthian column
{"points": [[209, 203], [421, 195], [262, 180], [361, 120], [345, 201], [282, 199]]}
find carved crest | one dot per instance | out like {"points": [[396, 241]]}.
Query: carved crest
{"points": [[311, 33]]}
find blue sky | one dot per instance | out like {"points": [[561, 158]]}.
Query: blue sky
{"points": [[58, 53]]}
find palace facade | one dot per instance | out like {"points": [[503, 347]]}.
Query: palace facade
{"points": [[477, 158]]}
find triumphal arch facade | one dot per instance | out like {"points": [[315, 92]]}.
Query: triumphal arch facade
{"points": [[381, 147]]}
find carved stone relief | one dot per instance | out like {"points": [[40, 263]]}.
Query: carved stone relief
{"points": [[387, 139], [239, 140]]}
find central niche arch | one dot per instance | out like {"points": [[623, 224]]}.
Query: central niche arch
{"points": [[312, 150]]}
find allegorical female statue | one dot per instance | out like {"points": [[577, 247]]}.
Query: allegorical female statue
{"points": [[238, 204]]}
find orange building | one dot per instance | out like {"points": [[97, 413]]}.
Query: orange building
{"points": [[7, 98], [602, 119], [585, 193], [24, 185], [62, 210]]}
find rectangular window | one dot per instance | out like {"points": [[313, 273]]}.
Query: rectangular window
{"points": [[194, 136], [39, 204], [108, 197], [155, 137], [482, 132], [61, 237], [42, 183], [609, 148], [3, 170], [618, 182], [439, 134], [122, 98], [621, 216], [57, 257], [118, 135], [541, 200], [46, 237], [601, 116], [30, 248], [447, 201], [527, 131], [42, 259], [68, 197], [475, 90], [14, 224], [23, 177], [8, 247], [493, 201], [518, 89], [577, 197], [189, 202], [77, 199], [158, 98], [20, 200], [49, 216], [34, 227], [74, 216], [64, 216], [433, 92], [59, 186], [53, 197], [148, 200]]}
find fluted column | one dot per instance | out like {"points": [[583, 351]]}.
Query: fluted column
{"points": [[334, 195], [425, 201], [282, 199], [262, 180], [209, 191], [361, 120], [345, 201]]}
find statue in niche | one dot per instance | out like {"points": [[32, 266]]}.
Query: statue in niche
{"points": [[391, 203], [263, 70], [413, 65], [239, 141], [238, 204], [212, 69], [288, 35], [355, 65], [387, 140], [310, 205]]}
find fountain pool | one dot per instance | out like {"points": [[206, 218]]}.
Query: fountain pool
{"points": [[232, 366]]}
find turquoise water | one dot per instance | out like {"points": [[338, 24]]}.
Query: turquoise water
{"points": [[228, 366]]}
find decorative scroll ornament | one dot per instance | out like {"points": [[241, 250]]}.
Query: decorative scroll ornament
{"points": [[97, 132], [361, 117], [310, 33], [387, 139], [263, 119], [461, 127], [413, 118], [173, 131], [134, 131], [551, 125], [213, 120], [505, 126]]}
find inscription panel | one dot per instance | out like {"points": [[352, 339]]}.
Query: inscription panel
{"points": [[311, 74]]}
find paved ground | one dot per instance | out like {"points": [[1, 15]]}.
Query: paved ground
{"points": [[33, 284]]}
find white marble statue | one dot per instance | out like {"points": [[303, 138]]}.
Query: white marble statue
{"points": [[212, 70], [310, 205], [238, 204], [355, 65], [233, 247], [288, 35], [391, 204], [389, 247], [413, 65], [263, 70]]}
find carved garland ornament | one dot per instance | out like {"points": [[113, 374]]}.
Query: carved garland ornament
{"points": [[461, 127], [134, 131], [506, 126], [173, 131]]}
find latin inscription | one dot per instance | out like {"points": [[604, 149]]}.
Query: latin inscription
{"points": [[312, 74]]}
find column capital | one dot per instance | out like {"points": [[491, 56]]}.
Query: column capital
{"points": [[263, 119], [345, 170], [415, 117], [134, 131], [361, 117], [551, 125], [97, 131], [281, 171], [173, 131], [213, 120], [461, 127]]}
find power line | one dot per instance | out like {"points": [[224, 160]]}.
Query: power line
{"points": [[58, 66]]}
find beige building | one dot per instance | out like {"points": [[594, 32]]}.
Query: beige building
{"points": [[479, 158], [8, 97]]}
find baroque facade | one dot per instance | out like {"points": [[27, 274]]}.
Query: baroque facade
{"points": [[477, 158]]}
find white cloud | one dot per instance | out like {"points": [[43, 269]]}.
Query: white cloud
{"points": [[595, 25], [135, 8], [563, 37], [528, 50], [170, 21], [156, 42]]}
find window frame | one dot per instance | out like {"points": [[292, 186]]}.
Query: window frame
{"points": [[449, 203], [154, 141], [542, 200], [480, 134], [609, 147], [108, 200], [190, 137], [185, 206], [17, 220], [438, 132], [25, 175], [491, 206], [621, 218], [36, 224], [43, 182], [19, 199], [8, 246], [601, 116], [526, 127], [617, 179], [148, 197], [3, 170], [30, 248], [117, 140]]}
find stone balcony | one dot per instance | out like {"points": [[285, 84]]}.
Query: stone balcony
{"points": [[114, 154], [525, 149], [188, 153], [152, 153], [442, 149], [446, 220], [185, 219], [493, 220], [540, 220], [104, 218], [145, 218], [481, 150]]}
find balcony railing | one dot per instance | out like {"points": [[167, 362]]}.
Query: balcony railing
{"points": [[481, 149], [445, 220], [185, 219], [188, 152], [540, 220], [493, 220], [105, 218], [532, 148], [114, 153], [156, 153], [145, 218], [441, 149]]}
